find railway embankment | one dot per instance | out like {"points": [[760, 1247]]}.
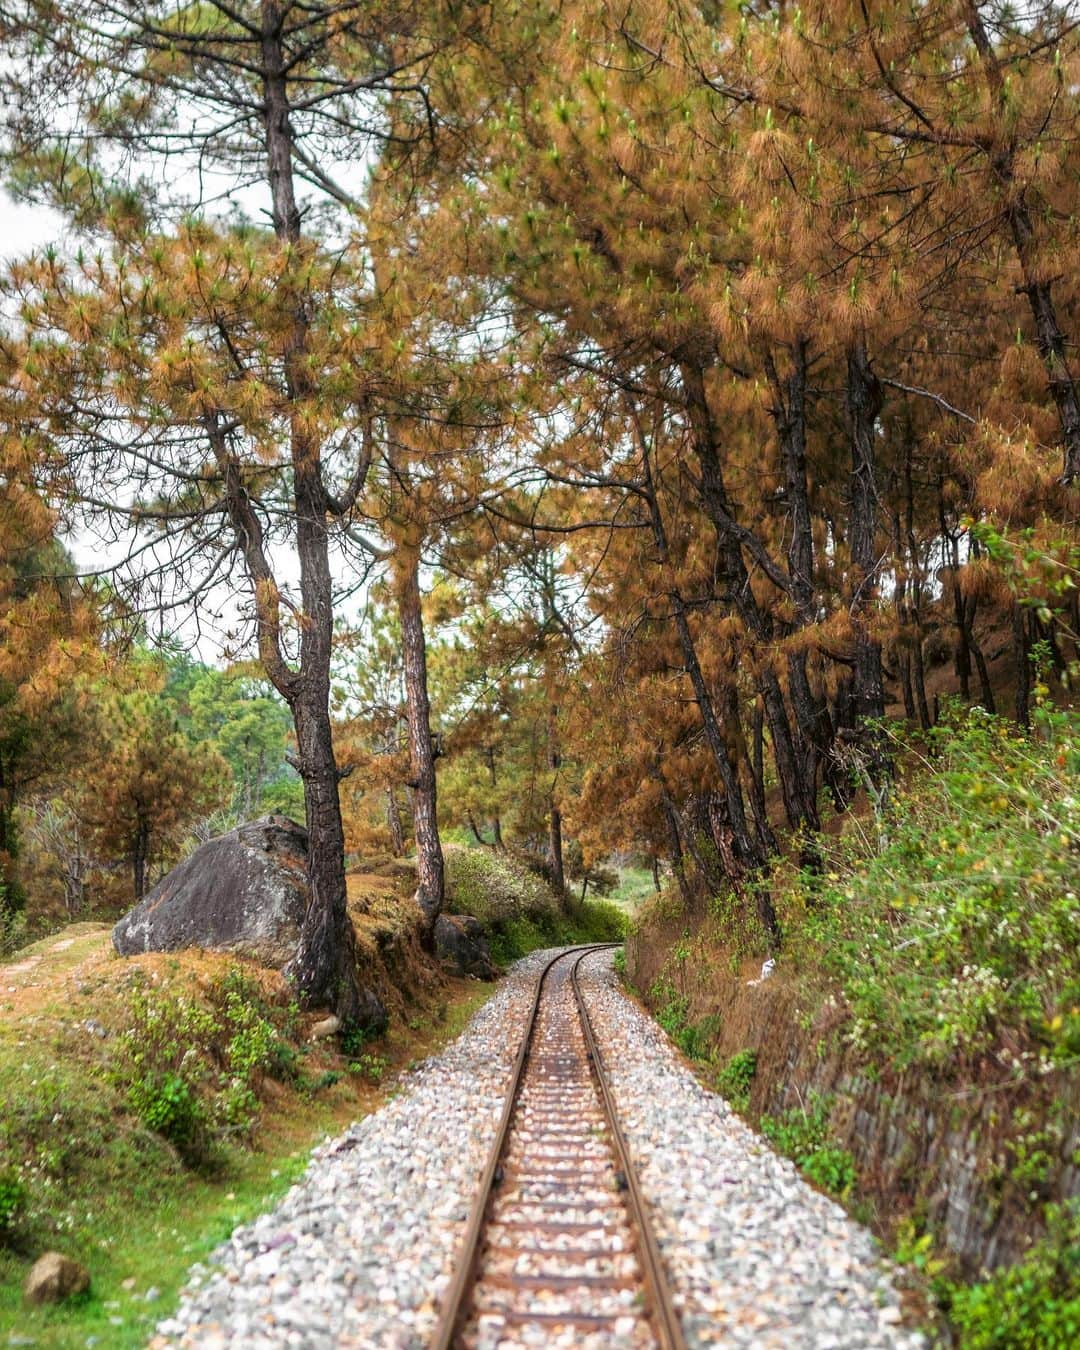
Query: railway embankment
{"points": [[914, 1044]]}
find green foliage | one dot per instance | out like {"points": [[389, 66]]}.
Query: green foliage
{"points": [[914, 1247], [12, 922], [619, 963], [12, 1200], [1033, 1305], [370, 1067], [168, 1103], [495, 888], [736, 1078], [671, 1007], [961, 919], [190, 1069], [833, 1169], [249, 725], [519, 910], [802, 1134]]}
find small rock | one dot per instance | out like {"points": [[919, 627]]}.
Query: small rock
{"points": [[55, 1277], [329, 1026], [152, 1294]]}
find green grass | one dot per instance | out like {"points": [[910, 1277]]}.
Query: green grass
{"points": [[149, 1225], [635, 886]]}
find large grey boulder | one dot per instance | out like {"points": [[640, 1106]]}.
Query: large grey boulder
{"points": [[244, 892], [462, 944]]}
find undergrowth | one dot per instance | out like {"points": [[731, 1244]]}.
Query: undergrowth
{"points": [[803, 1134], [190, 1068], [1032, 1305], [518, 909], [955, 914]]}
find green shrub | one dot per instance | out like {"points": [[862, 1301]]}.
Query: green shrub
{"points": [[833, 1169], [191, 1069], [12, 1200], [670, 1008], [168, 1104], [736, 1078], [957, 916], [519, 910], [370, 1067], [495, 888], [802, 1134], [1033, 1305]]}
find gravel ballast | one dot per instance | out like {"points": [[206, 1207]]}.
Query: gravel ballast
{"points": [[756, 1256], [360, 1251]]}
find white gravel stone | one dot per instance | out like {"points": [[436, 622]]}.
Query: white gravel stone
{"points": [[756, 1256]]}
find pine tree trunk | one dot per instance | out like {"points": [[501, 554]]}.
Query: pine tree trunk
{"points": [[323, 970], [555, 839], [863, 404], [1023, 666], [1037, 286], [430, 869], [139, 856], [393, 820], [746, 846], [914, 615], [799, 797], [675, 849]]}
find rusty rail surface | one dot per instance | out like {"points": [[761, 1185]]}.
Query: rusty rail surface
{"points": [[536, 1196]]}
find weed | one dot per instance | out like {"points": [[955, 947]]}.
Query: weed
{"points": [[12, 1201], [802, 1134], [370, 1067], [1033, 1305], [736, 1078]]}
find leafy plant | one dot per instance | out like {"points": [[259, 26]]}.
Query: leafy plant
{"points": [[736, 1078], [12, 1200], [191, 1069], [1033, 1305], [961, 919], [168, 1104], [802, 1134], [370, 1067]]}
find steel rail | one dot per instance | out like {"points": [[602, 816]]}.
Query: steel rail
{"points": [[666, 1319], [455, 1304]]}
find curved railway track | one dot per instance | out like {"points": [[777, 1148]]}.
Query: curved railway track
{"points": [[558, 1249]]}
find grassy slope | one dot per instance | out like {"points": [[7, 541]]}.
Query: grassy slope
{"points": [[106, 1190]]}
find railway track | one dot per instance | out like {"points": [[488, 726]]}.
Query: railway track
{"points": [[558, 1249]]}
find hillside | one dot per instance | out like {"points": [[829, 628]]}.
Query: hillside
{"points": [[917, 1047]]}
